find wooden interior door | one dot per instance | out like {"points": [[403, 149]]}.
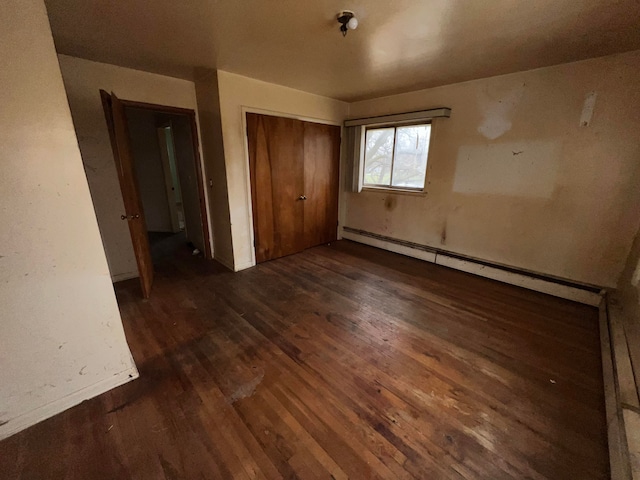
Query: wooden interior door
{"points": [[321, 183], [276, 165], [134, 214]]}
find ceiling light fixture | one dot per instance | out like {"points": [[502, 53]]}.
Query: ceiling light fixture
{"points": [[348, 21]]}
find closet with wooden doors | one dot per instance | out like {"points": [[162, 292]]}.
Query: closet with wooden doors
{"points": [[294, 168]]}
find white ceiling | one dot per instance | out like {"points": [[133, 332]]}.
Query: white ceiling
{"points": [[400, 45]]}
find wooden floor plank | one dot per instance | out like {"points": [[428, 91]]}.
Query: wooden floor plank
{"points": [[338, 362]]}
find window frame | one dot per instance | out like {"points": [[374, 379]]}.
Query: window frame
{"points": [[390, 187]]}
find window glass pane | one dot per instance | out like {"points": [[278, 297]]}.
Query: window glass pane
{"points": [[377, 156], [410, 160]]}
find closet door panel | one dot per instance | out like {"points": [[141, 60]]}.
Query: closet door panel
{"points": [[276, 150], [321, 182]]}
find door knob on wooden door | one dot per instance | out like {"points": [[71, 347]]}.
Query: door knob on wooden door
{"points": [[129, 217], [302, 197]]}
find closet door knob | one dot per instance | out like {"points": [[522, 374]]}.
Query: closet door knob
{"points": [[302, 197]]}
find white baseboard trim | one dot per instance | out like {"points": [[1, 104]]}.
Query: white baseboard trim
{"points": [[50, 409], [391, 247], [119, 277], [520, 279]]}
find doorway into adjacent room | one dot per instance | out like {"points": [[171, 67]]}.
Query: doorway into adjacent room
{"points": [[156, 153]]}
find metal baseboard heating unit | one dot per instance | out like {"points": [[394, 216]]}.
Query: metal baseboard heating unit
{"points": [[559, 287]]}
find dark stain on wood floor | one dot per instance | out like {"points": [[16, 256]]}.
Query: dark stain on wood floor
{"points": [[338, 362]]}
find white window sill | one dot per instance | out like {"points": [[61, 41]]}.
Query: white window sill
{"points": [[399, 191]]}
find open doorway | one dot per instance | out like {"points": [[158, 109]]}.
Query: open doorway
{"points": [[164, 162], [156, 153]]}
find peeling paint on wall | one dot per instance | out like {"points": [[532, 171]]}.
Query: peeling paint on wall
{"points": [[587, 109], [496, 112]]}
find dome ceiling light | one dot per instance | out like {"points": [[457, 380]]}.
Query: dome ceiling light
{"points": [[348, 21]]}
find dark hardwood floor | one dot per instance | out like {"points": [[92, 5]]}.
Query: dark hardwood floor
{"points": [[338, 362]]}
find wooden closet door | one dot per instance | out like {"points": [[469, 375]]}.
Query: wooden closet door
{"points": [[321, 183], [276, 165]]}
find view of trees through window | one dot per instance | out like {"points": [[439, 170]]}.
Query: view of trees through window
{"points": [[396, 156]]}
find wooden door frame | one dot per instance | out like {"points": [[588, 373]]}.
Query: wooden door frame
{"points": [[247, 173], [204, 213]]}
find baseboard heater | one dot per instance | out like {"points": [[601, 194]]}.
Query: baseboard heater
{"points": [[560, 287]]}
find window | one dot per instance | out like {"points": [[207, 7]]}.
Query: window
{"points": [[396, 157]]}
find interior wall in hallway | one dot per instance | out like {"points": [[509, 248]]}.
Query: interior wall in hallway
{"points": [[62, 339], [149, 171]]}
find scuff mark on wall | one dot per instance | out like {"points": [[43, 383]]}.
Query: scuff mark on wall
{"points": [[443, 235], [390, 203], [496, 113], [587, 109]]}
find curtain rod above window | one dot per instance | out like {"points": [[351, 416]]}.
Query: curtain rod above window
{"points": [[400, 117]]}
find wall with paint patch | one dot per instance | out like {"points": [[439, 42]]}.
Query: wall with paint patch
{"points": [[62, 338], [538, 170], [145, 148]]}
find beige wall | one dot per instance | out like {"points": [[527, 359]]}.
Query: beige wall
{"points": [[62, 339], [216, 175], [83, 79], [514, 178], [238, 94], [183, 143]]}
